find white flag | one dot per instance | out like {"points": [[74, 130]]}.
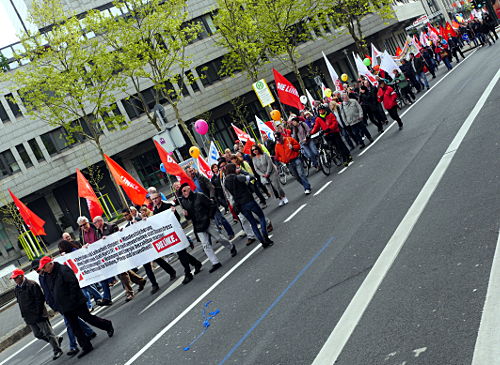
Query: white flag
{"points": [[375, 53], [213, 154], [310, 98], [387, 63], [363, 70], [333, 74], [263, 128]]}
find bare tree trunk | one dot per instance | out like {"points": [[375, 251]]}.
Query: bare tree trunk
{"points": [[183, 124], [123, 200]]}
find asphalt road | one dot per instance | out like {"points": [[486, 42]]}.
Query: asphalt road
{"points": [[279, 306]]}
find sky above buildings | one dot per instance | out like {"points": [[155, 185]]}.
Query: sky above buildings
{"points": [[10, 24]]}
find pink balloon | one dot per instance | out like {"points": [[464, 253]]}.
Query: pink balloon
{"points": [[201, 126]]}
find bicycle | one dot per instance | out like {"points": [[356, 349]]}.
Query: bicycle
{"points": [[283, 172], [306, 162], [324, 153]]}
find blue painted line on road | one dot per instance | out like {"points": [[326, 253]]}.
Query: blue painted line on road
{"points": [[276, 301], [206, 323]]}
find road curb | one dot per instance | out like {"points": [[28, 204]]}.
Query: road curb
{"points": [[13, 336]]}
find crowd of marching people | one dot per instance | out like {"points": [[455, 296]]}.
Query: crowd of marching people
{"points": [[242, 182]]}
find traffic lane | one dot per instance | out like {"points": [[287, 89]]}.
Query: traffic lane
{"points": [[428, 308]]}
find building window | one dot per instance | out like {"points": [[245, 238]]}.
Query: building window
{"points": [[36, 150], [133, 107], [147, 166], [3, 114], [24, 155], [182, 86], [209, 72], [56, 141], [13, 105], [8, 164], [192, 81]]}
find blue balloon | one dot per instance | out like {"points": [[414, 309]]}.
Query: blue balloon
{"points": [[162, 168]]}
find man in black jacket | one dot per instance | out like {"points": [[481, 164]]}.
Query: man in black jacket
{"points": [[201, 211], [419, 64], [64, 288], [185, 258], [245, 203], [409, 72], [31, 302]]}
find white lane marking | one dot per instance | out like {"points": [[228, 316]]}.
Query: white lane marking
{"points": [[323, 188], [345, 168], [295, 213], [415, 103], [191, 306], [487, 349], [354, 311]]}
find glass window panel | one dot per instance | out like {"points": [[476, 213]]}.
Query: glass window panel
{"points": [[36, 150], [24, 155]]}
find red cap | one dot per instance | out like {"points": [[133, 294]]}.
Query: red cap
{"points": [[44, 261], [16, 273]]}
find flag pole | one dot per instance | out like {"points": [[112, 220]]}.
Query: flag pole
{"points": [[80, 205]]}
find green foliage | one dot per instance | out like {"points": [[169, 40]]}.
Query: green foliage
{"points": [[4, 63], [349, 13], [70, 78], [149, 45]]}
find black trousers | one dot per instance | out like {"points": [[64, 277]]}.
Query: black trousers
{"points": [[187, 259], [163, 264], [393, 112], [83, 313], [336, 140]]}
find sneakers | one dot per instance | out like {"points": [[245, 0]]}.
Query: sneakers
{"points": [[215, 267], [233, 251], [187, 279], [72, 352], [285, 200], [250, 241], [281, 203], [307, 191]]}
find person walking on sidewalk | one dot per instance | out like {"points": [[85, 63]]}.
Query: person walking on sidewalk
{"points": [[388, 96], [65, 289], [31, 302], [127, 277], [89, 332], [187, 260], [201, 211]]}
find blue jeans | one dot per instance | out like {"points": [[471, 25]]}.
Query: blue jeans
{"points": [[221, 221], [297, 170], [447, 62], [91, 292], [247, 210], [71, 336], [106, 292], [311, 151], [422, 79]]}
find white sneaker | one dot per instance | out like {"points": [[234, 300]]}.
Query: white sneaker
{"points": [[281, 203], [307, 192], [285, 200]]}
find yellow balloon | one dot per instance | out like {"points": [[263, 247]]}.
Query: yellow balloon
{"points": [[276, 115], [194, 152], [328, 92], [344, 77]]}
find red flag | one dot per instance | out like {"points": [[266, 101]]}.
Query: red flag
{"points": [[173, 167], [443, 33], [204, 168], [242, 136], [86, 191], [450, 31], [134, 190], [287, 93], [248, 147], [398, 51], [34, 222]]}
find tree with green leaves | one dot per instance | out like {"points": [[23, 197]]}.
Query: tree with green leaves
{"points": [[149, 44], [69, 80], [283, 26], [350, 13], [238, 32]]}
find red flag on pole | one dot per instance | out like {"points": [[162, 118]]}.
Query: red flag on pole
{"points": [[134, 190], [173, 167], [86, 191], [287, 93], [204, 168], [242, 135], [450, 31], [248, 147], [34, 222]]}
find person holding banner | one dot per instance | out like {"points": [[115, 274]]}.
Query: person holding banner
{"points": [[200, 210], [185, 258], [64, 288]]}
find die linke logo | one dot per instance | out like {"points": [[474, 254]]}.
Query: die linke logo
{"points": [[288, 89], [129, 183], [73, 267], [167, 241]]}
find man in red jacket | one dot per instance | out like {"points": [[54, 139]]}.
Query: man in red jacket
{"points": [[327, 122], [387, 96], [287, 151]]}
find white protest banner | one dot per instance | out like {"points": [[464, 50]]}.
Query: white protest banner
{"points": [[136, 245]]}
